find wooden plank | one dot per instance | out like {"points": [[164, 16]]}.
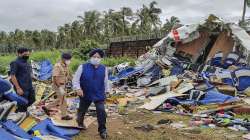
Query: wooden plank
{"points": [[247, 100], [220, 108], [71, 123]]}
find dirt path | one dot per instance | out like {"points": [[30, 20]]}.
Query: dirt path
{"points": [[123, 128]]}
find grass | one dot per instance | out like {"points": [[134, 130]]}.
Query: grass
{"points": [[4, 63], [54, 56], [111, 61], [123, 128]]}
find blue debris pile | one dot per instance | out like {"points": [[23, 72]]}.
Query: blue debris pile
{"points": [[24, 125], [42, 70], [187, 75]]}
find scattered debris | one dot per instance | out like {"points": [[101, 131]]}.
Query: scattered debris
{"points": [[163, 121], [145, 127], [199, 70]]}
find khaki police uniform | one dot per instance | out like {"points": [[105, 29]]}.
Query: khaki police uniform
{"points": [[62, 74]]}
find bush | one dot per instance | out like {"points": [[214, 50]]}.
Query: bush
{"points": [[85, 48], [5, 62], [53, 56], [74, 64], [111, 61]]}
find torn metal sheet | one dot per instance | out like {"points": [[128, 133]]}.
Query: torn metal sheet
{"points": [[159, 43], [156, 90], [247, 100], [165, 81], [143, 81], [241, 35], [185, 33], [160, 99]]}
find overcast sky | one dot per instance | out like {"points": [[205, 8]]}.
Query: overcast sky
{"points": [[49, 14]]}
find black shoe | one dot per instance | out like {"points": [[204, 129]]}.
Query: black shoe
{"points": [[81, 125], [46, 110], [67, 117], [104, 135]]}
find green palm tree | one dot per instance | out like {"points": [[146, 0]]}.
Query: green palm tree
{"points": [[154, 14], [76, 33], [126, 14], [3, 37], [36, 38], [19, 37], [170, 23], [91, 23], [148, 18], [60, 40]]}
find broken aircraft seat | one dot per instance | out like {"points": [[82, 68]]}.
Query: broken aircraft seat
{"points": [[216, 60], [242, 77], [226, 77], [230, 60]]}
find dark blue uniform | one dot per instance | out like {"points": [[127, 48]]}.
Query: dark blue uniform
{"points": [[22, 70]]}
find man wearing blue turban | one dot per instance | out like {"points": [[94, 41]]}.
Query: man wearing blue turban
{"points": [[91, 84]]}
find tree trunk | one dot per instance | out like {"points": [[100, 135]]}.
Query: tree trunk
{"points": [[244, 11], [123, 20]]}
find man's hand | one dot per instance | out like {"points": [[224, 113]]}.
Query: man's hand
{"points": [[80, 93], [61, 90], [19, 91]]}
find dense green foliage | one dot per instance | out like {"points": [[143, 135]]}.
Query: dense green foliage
{"points": [[54, 56], [84, 48], [92, 25]]}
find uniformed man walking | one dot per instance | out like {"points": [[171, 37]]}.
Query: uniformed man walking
{"points": [[60, 77]]}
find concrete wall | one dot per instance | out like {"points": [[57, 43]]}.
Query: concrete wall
{"points": [[130, 48]]}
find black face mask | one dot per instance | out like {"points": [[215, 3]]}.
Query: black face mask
{"points": [[25, 57]]}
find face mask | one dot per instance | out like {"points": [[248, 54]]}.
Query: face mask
{"points": [[25, 57], [95, 61], [67, 62]]}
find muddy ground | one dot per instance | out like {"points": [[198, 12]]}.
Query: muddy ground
{"points": [[125, 127]]}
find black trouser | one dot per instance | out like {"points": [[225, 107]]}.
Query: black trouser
{"points": [[30, 96], [100, 110]]}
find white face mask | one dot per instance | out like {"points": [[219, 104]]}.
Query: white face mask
{"points": [[67, 62], [95, 61]]}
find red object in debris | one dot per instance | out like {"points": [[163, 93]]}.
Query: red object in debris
{"points": [[208, 121], [176, 35], [196, 123]]}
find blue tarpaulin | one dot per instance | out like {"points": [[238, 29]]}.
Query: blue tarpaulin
{"points": [[45, 71], [12, 96], [13, 128], [6, 135], [46, 127], [4, 86], [213, 96], [9, 93], [126, 73]]}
